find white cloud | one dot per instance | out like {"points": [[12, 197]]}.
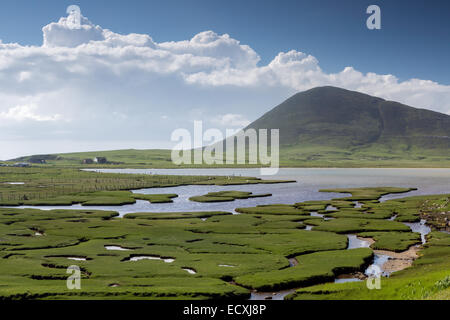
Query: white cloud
{"points": [[24, 75], [26, 112], [115, 86], [64, 34], [210, 44], [231, 120], [300, 71]]}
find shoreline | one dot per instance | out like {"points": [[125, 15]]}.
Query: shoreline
{"points": [[397, 260]]}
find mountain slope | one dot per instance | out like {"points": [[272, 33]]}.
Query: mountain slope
{"points": [[326, 127], [330, 116]]}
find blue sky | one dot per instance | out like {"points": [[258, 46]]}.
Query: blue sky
{"points": [[135, 71], [414, 41]]}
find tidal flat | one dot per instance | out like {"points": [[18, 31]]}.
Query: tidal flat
{"points": [[295, 250]]}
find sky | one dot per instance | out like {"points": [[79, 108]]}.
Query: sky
{"points": [[137, 70]]}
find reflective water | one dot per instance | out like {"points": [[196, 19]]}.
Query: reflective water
{"points": [[354, 242], [358, 204], [419, 227], [189, 270], [309, 182], [376, 268], [118, 248], [279, 295], [343, 280], [226, 265], [315, 214], [138, 258], [76, 258], [307, 186]]}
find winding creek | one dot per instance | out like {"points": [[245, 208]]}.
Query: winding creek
{"points": [[421, 228], [309, 182], [354, 242]]}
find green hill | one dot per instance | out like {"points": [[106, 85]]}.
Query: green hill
{"points": [[326, 127], [328, 124], [332, 116]]}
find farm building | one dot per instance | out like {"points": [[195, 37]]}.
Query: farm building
{"points": [[100, 160], [21, 164]]}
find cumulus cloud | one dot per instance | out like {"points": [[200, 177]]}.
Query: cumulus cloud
{"points": [[300, 71], [65, 32], [221, 47], [231, 120], [129, 87], [26, 112]]}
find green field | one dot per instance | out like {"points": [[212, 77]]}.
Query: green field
{"points": [[65, 186], [428, 278], [217, 255], [291, 156]]}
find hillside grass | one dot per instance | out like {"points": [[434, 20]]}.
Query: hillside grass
{"points": [[291, 155]]}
